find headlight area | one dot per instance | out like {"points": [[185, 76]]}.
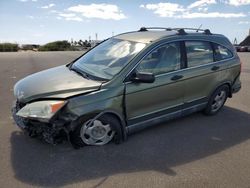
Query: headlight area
{"points": [[46, 120], [41, 110]]}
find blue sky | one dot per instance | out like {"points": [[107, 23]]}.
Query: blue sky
{"points": [[42, 21]]}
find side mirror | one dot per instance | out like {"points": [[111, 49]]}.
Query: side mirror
{"points": [[143, 77]]}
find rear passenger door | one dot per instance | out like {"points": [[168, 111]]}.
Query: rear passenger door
{"points": [[202, 73]]}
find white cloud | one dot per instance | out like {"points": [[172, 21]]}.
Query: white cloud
{"points": [[48, 6], [70, 17], [244, 22], [67, 15], [203, 9], [238, 2], [76, 18], [212, 15], [201, 3], [164, 9], [101, 11], [178, 11]]}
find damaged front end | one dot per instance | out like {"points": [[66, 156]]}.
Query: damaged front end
{"points": [[53, 132]]}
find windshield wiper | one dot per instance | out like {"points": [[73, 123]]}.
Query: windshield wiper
{"points": [[85, 75], [81, 73]]}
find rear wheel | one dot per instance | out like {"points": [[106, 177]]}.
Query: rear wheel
{"points": [[217, 100], [96, 132]]}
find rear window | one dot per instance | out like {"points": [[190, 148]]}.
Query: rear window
{"points": [[222, 52], [199, 53]]}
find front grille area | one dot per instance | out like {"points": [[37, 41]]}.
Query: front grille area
{"points": [[21, 122], [19, 105]]}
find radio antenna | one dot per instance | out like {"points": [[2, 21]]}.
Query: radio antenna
{"points": [[199, 28]]}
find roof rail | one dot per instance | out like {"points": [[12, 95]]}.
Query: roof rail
{"points": [[181, 31], [154, 28], [205, 31]]}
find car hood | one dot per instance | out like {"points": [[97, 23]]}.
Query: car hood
{"points": [[58, 82]]}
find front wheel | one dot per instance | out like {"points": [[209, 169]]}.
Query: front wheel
{"points": [[96, 132], [217, 100]]}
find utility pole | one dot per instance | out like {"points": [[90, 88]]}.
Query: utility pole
{"points": [[96, 38]]}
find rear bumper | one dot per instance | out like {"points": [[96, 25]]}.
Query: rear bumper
{"points": [[237, 85]]}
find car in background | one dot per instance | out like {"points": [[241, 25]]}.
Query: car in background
{"points": [[243, 49], [237, 48]]}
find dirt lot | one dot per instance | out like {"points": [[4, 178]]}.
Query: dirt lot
{"points": [[195, 151]]}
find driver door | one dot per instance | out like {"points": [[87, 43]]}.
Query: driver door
{"points": [[146, 101]]}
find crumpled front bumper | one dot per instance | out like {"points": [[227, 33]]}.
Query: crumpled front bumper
{"points": [[52, 133], [20, 122]]}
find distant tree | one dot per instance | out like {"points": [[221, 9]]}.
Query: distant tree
{"points": [[85, 43], [88, 45], [80, 42], [56, 46], [8, 47]]}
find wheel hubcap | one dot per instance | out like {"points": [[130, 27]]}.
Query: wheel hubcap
{"points": [[218, 101], [96, 133]]}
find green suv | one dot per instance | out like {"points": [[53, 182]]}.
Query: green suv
{"points": [[126, 83]]}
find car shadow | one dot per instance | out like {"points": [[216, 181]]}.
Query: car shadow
{"points": [[159, 148]]}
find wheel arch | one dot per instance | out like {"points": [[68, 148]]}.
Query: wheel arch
{"points": [[227, 83], [119, 118]]}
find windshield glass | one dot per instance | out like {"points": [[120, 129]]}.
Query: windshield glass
{"points": [[108, 58]]}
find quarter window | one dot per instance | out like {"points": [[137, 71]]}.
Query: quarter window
{"points": [[221, 52], [162, 60], [198, 53]]}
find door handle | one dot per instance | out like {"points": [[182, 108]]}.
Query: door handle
{"points": [[214, 68], [176, 77]]}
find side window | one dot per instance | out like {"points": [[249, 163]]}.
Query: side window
{"points": [[221, 52], [199, 53], [165, 59]]}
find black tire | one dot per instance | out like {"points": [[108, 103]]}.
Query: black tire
{"points": [[75, 136], [210, 109]]}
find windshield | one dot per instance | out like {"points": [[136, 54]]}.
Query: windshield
{"points": [[108, 58]]}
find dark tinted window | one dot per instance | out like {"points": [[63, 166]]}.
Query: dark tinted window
{"points": [[221, 52], [162, 60], [199, 53]]}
